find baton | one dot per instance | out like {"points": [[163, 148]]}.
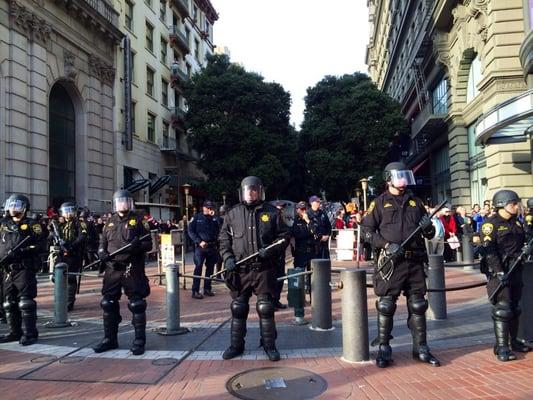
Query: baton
{"points": [[276, 243], [15, 249], [113, 254]]}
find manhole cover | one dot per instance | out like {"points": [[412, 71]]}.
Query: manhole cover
{"points": [[71, 360], [276, 383], [43, 359], [164, 361]]}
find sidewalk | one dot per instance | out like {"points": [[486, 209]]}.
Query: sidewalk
{"points": [[63, 366]]}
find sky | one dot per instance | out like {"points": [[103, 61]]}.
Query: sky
{"points": [[294, 42]]}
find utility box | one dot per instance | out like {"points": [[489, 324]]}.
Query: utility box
{"points": [[176, 237], [296, 294]]}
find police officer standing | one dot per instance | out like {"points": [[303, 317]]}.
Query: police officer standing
{"points": [[390, 219], [203, 231], [250, 227], [304, 232], [503, 239], [323, 227], [20, 284], [125, 270], [74, 239]]}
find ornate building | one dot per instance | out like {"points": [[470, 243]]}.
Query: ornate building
{"points": [[450, 64], [57, 71]]}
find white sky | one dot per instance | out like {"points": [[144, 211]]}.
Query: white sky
{"points": [[294, 42]]}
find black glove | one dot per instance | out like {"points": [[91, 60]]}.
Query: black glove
{"points": [[503, 278], [528, 249], [394, 250], [230, 264], [265, 253], [426, 225], [103, 255]]}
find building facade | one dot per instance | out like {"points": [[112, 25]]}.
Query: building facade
{"points": [[57, 73], [450, 63]]}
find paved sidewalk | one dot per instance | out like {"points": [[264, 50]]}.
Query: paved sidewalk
{"points": [[63, 366]]}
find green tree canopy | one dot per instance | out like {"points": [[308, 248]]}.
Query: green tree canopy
{"points": [[348, 126], [240, 125]]}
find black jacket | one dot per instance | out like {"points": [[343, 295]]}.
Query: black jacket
{"points": [[204, 228], [12, 233]]}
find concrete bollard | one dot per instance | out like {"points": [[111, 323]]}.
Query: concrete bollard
{"points": [[437, 300], [321, 295], [60, 297], [354, 316], [468, 253], [459, 253], [173, 303]]}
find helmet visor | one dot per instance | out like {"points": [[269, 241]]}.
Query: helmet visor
{"points": [[68, 211], [252, 193], [15, 206], [122, 204], [402, 178]]}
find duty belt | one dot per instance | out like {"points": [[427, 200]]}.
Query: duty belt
{"points": [[253, 266], [119, 266], [414, 254], [14, 267]]}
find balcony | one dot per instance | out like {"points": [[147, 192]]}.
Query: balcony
{"points": [[99, 14], [178, 78], [182, 6], [167, 144], [428, 120], [178, 117], [179, 40]]}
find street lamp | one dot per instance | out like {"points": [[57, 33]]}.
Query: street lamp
{"points": [[357, 197], [224, 194], [364, 185], [186, 189]]}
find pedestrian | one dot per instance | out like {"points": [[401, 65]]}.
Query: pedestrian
{"points": [[450, 231], [435, 245], [503, 240], [125, 272], [528, 221], [22, 260], [391, 218], [323, 227], [250, 227], [203, 231]]}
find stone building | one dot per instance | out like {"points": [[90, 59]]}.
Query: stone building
{"points": [[450, 64], [57, 71]]}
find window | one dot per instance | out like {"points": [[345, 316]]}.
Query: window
{"points": [[149, 37], [164, 50], [195, 14], [151, 127], [165, 135], [149, 81], [474, 77], [129, 15], [164, 92], [163, 9], [188, 35], [197, 50], [133, 117], [128, 176], [132, 66], [473, 150], [189, 70], [439, 97], [206, 28]]}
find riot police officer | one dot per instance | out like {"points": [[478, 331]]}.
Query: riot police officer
{"points": [[73, 239], [21, 242], [250, 227], [124, 271], [503, 239], [323, 227], [203, 231], [390, 219], [91, 248]]}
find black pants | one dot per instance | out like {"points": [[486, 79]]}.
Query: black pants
{"points": [[20, 283], [256, 282], [408, 276], [280, 271], [210, 257], [134, 282]]}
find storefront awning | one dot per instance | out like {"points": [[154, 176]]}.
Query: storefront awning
{"points": [[508, 122]]}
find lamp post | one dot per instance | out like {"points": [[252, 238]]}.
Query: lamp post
{"points": [[224, 194], [186, 189], [358, 197], [364, 185]]}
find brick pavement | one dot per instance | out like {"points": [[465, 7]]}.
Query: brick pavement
{"points": [[62, 366]]}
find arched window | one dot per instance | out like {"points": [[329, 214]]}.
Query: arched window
{"points": [[474, 77]]}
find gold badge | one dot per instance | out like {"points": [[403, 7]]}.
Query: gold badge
{"points": [[371, 207], [24, 227], [487, 228], [412, 203], [37, 229], [264, 218], [387, 205], [487, 238], [110, 225], [132, 222]]}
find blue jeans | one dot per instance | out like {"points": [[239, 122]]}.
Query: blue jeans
{"points": [[210, 257]]}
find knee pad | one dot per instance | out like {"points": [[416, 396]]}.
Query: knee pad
{"points": [[109, 305], [137, 306], [265, 307], [386, 305], [502, 311], [10, 305], [27, 304], [239, 309], [417, 304]]}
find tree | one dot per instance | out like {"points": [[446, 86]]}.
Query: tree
{"points": [[347, 129], [240, 126]]}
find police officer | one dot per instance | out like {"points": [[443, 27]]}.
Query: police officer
{"points": [[74, 239], [390, 219], [20, 284], [91, 248], [304, 231], [250, 227], [528, 221], [323, 227], [125, 270], [203, 231], [503, 239]]}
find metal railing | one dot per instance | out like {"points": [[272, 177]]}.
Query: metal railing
{"points": [[105, 9]]}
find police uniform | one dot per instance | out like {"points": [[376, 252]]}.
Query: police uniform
{"points": [[528, 221], [124, 271], [20, 284], [204, 228], [323, 228]]}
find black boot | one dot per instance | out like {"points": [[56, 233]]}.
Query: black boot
{"points": [[516, 345], [417, 324], [28, 309], [385, 306], [71, 294], [384, 356], [138, 309], [14, 321], [111, 318], [501, 349], [239, 312], [267, 327]]}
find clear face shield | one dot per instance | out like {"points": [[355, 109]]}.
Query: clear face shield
{"points": [[68, 211], [402, 178], [122, 204], [15, 207], [250, 194]]}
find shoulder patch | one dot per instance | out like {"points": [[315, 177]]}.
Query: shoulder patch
{"points": [[132, 222], [37, 229], [529, 218], [265, 218], [412, 203], [23, 227], [371, 207], [487, 228]]}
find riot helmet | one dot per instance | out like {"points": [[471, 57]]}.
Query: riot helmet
{"points": [[503, 197], [398, 175], [122, 201], [68, 209], [530, 204], [252, 191], [17, 205]]}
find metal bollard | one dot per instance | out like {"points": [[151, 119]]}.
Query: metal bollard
{"points": [[321, 295], [468, 253], [437, 300], [60, 297], [354, 316], [173, 303]]}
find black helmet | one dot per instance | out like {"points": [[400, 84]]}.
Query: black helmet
{"points": [[503, 197], [252, 190], [398, 174], [122, 201], [530, 203], [68, 209], [17, 204]]}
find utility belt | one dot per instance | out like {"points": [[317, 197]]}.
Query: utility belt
{"points": [[255, 266], [119, 265], [15, 267], [414, 255]]}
